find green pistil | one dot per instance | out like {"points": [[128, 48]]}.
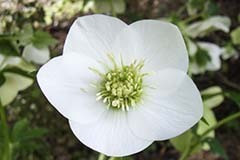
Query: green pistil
{"points": [[122, 87]]}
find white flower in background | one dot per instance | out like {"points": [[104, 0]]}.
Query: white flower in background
{"points": [[122, 86], [35, 55]]}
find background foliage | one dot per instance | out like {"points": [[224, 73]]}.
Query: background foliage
{"points": [[32, 31]]}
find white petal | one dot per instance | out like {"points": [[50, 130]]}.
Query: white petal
{"points": [[111, 135], [35, 55], [214, 52], [171, 107], [66, 81], [93, 35], [159, 43]]}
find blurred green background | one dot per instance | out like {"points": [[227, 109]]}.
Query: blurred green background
{"points": [[33, 31]]}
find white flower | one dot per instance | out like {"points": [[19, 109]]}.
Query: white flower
{"points": [[122, 86]]}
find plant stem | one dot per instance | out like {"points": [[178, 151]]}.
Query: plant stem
{"points": [[101, 156], [222, 122], [7, 145], [185, 155], [112, 8], [191, 18]]}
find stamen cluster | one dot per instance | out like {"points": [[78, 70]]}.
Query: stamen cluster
{"points": [[122, 87]]}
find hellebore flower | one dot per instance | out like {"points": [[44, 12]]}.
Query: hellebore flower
{"points": [[122, 86]]}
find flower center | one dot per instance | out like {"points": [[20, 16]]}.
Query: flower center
{"points": [[122, 87]]}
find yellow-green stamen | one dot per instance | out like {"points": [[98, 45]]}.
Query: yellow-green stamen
{"points": [[122, 87]]}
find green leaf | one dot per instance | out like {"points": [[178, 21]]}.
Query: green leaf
{"points": [[202, 57], [13, 61], [212, 96], [204, 121], [217, 148], [19, 128], [228, 51], [8, 48], [234, 96], [17, 74], [202, 127], [119, 6], [235, 36], [182, 141], [13, 84], [18, 71], [103, 6], [204, 27], [25, 35], [32, 133], [1, 131], [191, 46], [1, 137], [2, 79], [193, 6], [210, 8], [22, 132], [43, 39], [109, 6]]}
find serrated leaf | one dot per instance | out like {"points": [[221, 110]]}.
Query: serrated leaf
{"points": [[32, 134], [26, 139], [217, 148], [19, 128], [43, 39], [235, 36], [25, 35]]}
